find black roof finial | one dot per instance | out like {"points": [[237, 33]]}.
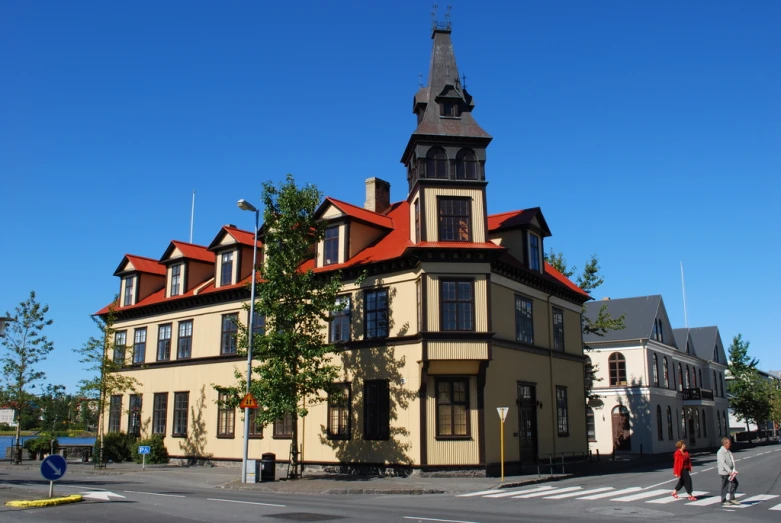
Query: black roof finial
{"points": [[464, 82], [441, 26]]}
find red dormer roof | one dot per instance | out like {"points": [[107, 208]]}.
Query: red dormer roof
{"points": [[515, 219], [190, 251], [359, 213], [141, 264], [241, 236]]}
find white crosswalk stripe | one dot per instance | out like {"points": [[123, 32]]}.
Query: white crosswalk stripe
{"points": [[515, 492], [549, 493], [610, 494], [579, 493], [711, 500], [755, 500], [540, 494], [681, 495], [641, 495]]}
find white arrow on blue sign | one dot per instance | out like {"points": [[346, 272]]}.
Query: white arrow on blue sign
{"points": [[53, 467], [144, 449]]}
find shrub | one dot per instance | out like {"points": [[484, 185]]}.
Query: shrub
{"points": [[117, 447], [158, 452], [5, 426], [41, 445]]}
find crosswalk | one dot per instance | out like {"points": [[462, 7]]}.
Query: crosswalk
{"points": [[620, 495]]}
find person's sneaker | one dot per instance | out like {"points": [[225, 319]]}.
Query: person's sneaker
{"points": [[734, 502], [725, 503]]}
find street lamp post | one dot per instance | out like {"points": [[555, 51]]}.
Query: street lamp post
{"points": [[244, 205]]}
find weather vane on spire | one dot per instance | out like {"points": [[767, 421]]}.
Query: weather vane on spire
{"points": [[446, 25]]}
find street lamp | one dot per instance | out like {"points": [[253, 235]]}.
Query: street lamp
{"points": [[244, 205]]}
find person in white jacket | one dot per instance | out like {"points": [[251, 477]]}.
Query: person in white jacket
{"points": [[728, 473]]}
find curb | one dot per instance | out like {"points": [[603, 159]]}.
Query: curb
{"points": [[31, 503], [340, 491]]}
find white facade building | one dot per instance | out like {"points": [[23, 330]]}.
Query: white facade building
{"points": [[656, 385]]}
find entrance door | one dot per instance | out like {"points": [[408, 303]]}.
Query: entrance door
{"points": [[527, 421], [621, 429], [692, 438]]}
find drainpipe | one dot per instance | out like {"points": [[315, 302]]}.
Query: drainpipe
{"points": [[550, 368]]}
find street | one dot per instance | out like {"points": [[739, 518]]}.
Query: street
{"points": [[185, 496]]}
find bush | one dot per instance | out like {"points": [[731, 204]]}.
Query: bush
{"points": [[41, 445], [158, 452], [5, 426], [117, 447]]}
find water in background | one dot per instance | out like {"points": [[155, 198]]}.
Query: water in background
{"points": [[8, 441]]}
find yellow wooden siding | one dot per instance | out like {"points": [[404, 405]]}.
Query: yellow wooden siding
{"points": [[458, 350]]}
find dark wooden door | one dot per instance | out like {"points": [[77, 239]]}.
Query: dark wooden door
{"points": [[621, 429], [527, 423]]}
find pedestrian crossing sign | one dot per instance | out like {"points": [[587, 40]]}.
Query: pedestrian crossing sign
{"points": [[248, 402], [502, 412]]}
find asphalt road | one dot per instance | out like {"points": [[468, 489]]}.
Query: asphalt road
{"points": [[179, 497]]}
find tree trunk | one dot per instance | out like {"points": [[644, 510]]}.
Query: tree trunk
{"points": [[17, 448], [293, 471]]}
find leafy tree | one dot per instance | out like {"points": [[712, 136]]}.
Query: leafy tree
{"points": [[749, 392], [26, 346], [98, 354], [589, 280], [56, 408], [292, 356], [775, 402]]}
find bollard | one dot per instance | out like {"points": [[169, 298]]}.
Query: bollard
{"points": [[597, 454]]}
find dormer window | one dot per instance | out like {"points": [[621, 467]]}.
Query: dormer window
{"points": [[466, 165], [451, 109], [226, 274], [331, 246], [129, 286], [176, 278], [534, 252], [436, 163]]}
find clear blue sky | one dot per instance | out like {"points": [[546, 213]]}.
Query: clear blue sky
{"points": [[648, 132]]}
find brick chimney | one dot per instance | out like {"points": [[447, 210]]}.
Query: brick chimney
{"points": [[377, 195]]}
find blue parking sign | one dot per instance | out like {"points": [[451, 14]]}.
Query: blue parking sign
{"points": [[144, 449]]}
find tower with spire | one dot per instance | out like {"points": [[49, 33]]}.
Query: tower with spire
{"points": [[447, 150]]}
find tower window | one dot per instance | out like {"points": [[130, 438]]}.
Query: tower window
{"points": [[455, 216], [466, 165], [451, 109], [436, 163]]}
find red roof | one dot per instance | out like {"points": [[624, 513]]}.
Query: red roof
{"points": [[362, 214], [559, 277], [142, 264], [513, 219], [241, 236], [458, 245], [193, 252]]}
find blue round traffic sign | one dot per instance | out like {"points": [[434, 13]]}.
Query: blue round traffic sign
{"points": [[53, 467]]}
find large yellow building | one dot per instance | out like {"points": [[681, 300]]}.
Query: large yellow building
{"points": [[459, 315]]}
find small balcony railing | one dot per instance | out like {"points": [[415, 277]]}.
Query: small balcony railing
{"points": [[697, 394]]}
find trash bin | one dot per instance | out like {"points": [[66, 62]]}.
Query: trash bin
{"points": [[268, 466]]}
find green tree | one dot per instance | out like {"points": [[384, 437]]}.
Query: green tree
{"points": [[589, 280], [775, 402], [55, 408], [292, 357], [98, 355], [26, 346], [749, 392]]}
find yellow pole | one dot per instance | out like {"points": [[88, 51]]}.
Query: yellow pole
{"points": [[501, 432]]}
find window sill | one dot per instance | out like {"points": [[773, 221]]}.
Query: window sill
{"points": [[445, 117], [275, 436], [454, 438], [385, 438], [335, 437], [226, 436], [178, 435], [592, 440], [256, 436], [564, 435]]}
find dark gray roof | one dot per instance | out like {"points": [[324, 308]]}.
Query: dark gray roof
{"points": [[639, 315], [703, 341], [443, 80], [681, 337]]}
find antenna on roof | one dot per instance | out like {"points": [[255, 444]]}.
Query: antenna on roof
{"points": [[464, 81], [192, 217], [420, 80], [434, 16], [447, 17], [683, 286]]}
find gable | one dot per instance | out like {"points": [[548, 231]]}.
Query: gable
{"points": [[332, 211], [639, 315]]}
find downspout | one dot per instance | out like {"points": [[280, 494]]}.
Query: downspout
{"points": [[555, 432]]}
